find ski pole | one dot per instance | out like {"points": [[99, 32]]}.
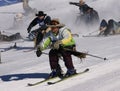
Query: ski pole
{"points": [[96, 56], [93, 32], [76, 53], [45, 53]]}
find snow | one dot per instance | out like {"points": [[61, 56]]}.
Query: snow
{"points": [[19, 68]]}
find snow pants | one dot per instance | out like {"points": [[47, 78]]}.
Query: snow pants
{"points": [[54, 59]]}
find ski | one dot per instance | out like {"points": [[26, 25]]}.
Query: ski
{"points": [[29, 50], [109, 35], [75, 35], [37, 83], [90, 36], [65, 78]]}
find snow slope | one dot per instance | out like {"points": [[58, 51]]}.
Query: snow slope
{"points": [[19, 68]]}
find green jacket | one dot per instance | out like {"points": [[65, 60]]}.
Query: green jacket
{"points": [[50, 38]]}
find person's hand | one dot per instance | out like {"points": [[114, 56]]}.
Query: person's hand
{"points": [[82, 55], [70, 2], [57, 44], [28, 30], [38, 52]]}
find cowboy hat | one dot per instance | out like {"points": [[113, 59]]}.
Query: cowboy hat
{"points": [[58, 25], [40, 13], [55, 23]]}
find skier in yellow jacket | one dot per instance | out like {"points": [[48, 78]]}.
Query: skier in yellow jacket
{"points": [[56, 39]]}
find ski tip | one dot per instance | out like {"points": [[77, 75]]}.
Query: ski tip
{"points": [[29, 84], [50, 83], [87, 70]]}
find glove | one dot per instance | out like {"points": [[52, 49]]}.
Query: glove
{"points": [[28, 29], [57, 44], [70, 2], [82, 55], [38, 52]]}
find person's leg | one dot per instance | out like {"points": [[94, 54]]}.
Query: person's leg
{"points": [[54, 63], [39, 38], [110, 27], [67, 59], [53, 59], [68, 63], [102, 27]]}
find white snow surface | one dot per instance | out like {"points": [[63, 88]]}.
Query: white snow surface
{"points": [[19, 68]]}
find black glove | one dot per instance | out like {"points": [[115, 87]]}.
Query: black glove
{"points": [[28, 29], [38, 52], [70, 2]]}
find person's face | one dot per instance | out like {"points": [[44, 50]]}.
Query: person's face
{"points": [[81, 3], [41, 17], [55, 30]]}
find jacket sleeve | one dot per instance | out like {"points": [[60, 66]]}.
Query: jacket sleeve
{"points": [[47, 20], [32, 24], [74, 3], [45, 43], [67, 38]]}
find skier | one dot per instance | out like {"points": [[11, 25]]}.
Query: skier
{"points": [[87, 14], [82, 6], [103, 26], [6, 37], [41, 19], [57, 39], [112, 27]]}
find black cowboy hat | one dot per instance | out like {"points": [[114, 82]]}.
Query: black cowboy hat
{"points": [[40, 13]]}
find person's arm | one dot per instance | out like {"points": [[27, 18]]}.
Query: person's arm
{"points": [[44, 44], [74, 3], [32, 24], [67, 38], [48, 20]]}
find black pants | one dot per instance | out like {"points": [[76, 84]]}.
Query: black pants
{"points": [[54, 58], [110, 27], [39, 37]]}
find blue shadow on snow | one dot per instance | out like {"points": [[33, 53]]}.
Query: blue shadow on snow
{"points": [[12, 77]]}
